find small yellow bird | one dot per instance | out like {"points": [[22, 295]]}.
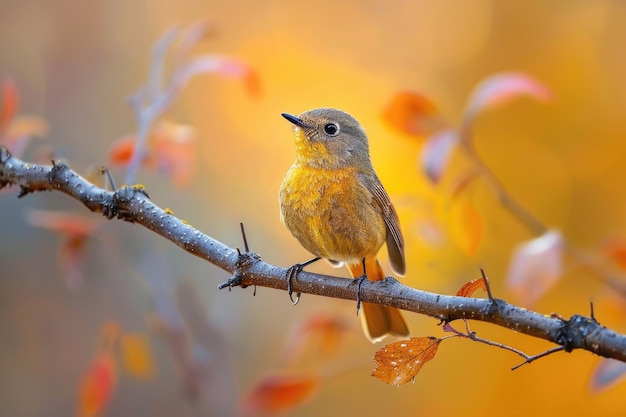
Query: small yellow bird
{"points": [[334, 204]]}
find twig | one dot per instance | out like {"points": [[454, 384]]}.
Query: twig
{"points": [[133, 205], [615, 282], [472, 336]]}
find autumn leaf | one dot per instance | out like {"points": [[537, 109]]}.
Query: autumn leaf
{"points": [[320, 333], [9, 103], [16, 131], [615, 248], [436, 153], [535, 267], [413, 114], [174, 149], [98, 383], [499, 89], [75, 231], [280, 393], [606, 374], [137, 355], [97, 386], [399, 362], [466, 226], [170, 151], [470, 287]]}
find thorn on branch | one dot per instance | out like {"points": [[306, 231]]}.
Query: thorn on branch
{"points": [[245, 261], [105, 171]]}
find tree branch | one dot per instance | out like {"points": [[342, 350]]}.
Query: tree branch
{"points": [[132, 204]]}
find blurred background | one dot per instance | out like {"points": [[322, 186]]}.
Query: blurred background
{"points": [[145, 323]]}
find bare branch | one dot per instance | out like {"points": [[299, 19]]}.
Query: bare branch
{"points": [[133, 205]]}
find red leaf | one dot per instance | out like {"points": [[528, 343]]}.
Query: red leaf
{"points": [[470, 287], [535, 267], [436, 153], [9, 102], [97, 386], [413, 114], [399, 362], [607, 373], [280, 393], [499, 89], [100, 379]]}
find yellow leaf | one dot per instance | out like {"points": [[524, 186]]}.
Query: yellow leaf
{"points": [[137, 355]]}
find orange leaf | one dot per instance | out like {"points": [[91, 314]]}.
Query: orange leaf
{"points": [[9, 102], [413, 114], [470, 287], [137, 355], [27, 126], [399, 362], [280, 393], [65, 222], [616, 249], [466, 226], [174, 149], [320, 333], [97, 385], [122, 150]]}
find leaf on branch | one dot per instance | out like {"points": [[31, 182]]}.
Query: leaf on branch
{"points": [[320, 333], [436, 153], [16, 131], [170, 151], [413, 114], [399, 362], [499, 89], [606, 374], [280, 393], [137, 355], [470, 287], [75, 231], [223, 65], [535, 267]]}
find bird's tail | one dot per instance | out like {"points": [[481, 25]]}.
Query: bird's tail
{"points": [[378, 321]]}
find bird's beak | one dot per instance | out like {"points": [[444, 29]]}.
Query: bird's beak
{"points": [[296, 121]]}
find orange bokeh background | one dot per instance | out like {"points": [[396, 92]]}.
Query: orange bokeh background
{"points": [[75, 63]]}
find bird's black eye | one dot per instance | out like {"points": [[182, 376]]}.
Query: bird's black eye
{"points": [[331, 129]]}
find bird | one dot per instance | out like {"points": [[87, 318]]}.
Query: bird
{"points": [[334, 204]]}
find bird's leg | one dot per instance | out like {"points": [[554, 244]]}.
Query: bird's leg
{"points": [[292, 272], [360, 280]]}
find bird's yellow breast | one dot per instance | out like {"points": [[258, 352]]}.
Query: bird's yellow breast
{"points": [[331, 213]]}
